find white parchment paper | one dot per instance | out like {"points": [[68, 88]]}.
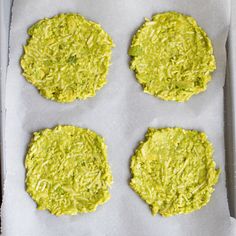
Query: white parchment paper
{"points": [[120, 112]]}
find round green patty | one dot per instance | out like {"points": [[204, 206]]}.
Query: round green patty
{"points": [[67, 170], [173, 171], [172, 57], [67, 57]]}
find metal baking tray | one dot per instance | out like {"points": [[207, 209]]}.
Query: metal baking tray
{"points": [[229, 98]]}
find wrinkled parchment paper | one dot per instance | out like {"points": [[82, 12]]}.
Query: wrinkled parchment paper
{"points": [[120, 112]]}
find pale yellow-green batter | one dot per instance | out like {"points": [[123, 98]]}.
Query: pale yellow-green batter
{"points": [[172, 57], [173, 171], [67, 57], [67, 170]]}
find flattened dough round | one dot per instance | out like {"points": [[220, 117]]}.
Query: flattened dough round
{"points": [[67, 57], [173, 171], [172, 57], [67, 170]]}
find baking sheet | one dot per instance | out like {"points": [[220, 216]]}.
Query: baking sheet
{"points": [[230, 109], [120, 112]]}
